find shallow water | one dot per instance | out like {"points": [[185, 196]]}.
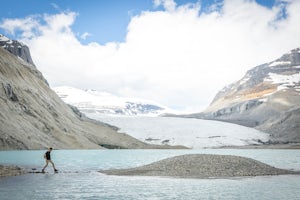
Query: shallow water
{"points": [[79, 179]]}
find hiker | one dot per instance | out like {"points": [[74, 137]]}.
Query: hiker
{"points": [[48, 160]]}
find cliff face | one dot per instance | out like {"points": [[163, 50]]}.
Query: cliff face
{"points": [[17, 48], [266, 98], [32, 116]]}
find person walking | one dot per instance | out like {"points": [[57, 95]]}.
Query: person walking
{"points": [[47, 157]]}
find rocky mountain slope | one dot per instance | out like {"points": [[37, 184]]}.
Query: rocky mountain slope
{"points": [[266, 98], [32, 116], [92, 101]]}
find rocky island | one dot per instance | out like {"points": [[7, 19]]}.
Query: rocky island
{"points": [[202, 166]]}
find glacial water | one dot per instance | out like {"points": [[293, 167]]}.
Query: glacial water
{"points": [[79, 179]]}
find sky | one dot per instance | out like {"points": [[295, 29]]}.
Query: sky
{"points": [[179, 53]]}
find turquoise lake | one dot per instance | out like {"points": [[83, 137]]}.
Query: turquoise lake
{"points": [[79, 179]]}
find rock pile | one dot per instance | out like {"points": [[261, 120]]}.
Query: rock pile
{"points": [[202, 166]]}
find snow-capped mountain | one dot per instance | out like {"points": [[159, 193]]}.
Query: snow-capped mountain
{"points": [[267, 98], [17, 48], [92, 101]]}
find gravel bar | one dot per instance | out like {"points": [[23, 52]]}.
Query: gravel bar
{"points": [[202, 166]]}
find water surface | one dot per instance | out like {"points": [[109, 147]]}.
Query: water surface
{"points": [[79, 178]]}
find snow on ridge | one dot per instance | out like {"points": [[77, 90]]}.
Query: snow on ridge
{"points": [[10, 42], [289, 79], [296, 66], [277, 63], [4, 38], [284, 81], [94, 101], [123, 99], [73, 95], [244, 80]]}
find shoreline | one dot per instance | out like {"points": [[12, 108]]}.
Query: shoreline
{"points": [[10, 170], [264, 146], [180, 147]]}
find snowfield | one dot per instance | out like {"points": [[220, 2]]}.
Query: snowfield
{"points": [[192, 133]]}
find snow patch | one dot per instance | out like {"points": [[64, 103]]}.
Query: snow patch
{"points": [[4, 39], [277, 63], [284, 81], [244, 80], [263, 100]]}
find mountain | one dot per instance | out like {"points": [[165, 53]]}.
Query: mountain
{"points": [[17, 48], [32, 116], [266, 98], [92, 101]]}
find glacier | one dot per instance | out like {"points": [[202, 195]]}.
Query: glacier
{"points": [[189, 132], [141, 119]]}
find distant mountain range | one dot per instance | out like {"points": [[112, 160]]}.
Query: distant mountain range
{"points": [[92, 101], [266, 98]]}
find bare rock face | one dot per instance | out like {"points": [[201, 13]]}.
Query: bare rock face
{"points": [[32, 116], [266, 98], [17, 48], [9, 92]]}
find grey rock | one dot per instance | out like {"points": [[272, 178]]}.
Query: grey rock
{"points": [[9, 92], [17, 48]]}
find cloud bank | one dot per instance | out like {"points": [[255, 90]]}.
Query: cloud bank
{"points": [[180, 56]]}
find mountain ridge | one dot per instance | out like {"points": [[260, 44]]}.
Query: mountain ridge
{"points": [[32, 116], [266, 98], [17, 48]]}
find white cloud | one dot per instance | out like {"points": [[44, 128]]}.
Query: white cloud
{"points": [[177, 57], [169, 5], [55, 6], [26, 25], [85, 35]]}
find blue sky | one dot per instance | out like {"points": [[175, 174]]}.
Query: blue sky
{"points": [[104, 20], [179, 53]]}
